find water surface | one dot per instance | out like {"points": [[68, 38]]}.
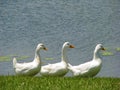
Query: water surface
{"points": [[84, 23]]}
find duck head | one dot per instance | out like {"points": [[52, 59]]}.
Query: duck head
{"points": [[100, 47], [68, 45], [41, 46]]}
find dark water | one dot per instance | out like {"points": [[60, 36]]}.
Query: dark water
{"points": [[84, 23]]}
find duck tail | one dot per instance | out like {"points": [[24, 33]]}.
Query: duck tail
{"points": [[14, 61]]}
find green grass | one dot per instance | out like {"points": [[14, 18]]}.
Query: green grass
{"points": [[9, 57], [48, 58], [107, 53], [58, 83], [118, 49]]}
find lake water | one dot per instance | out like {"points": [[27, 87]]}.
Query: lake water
{"points": [[84, 23]]}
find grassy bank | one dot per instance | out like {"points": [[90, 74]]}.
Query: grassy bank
{"points": [[58, 83]]}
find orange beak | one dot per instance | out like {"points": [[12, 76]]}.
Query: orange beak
{"points": [[45, 49], [71, 46]]}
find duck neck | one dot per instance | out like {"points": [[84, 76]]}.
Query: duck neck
{"points": [[96, 55], [64, 56], [37, 56]]}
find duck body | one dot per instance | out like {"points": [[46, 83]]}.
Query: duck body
{"points": [[57, 69], [29, 68], [60, 68], [88, 69]]}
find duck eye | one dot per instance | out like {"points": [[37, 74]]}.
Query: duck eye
{"points": [[68, 44]]}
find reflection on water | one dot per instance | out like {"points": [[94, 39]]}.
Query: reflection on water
{"points": [[24, 24]]}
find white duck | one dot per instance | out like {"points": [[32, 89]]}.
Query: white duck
{"points": [[30, 68], [60, 68], [91, 68]]}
